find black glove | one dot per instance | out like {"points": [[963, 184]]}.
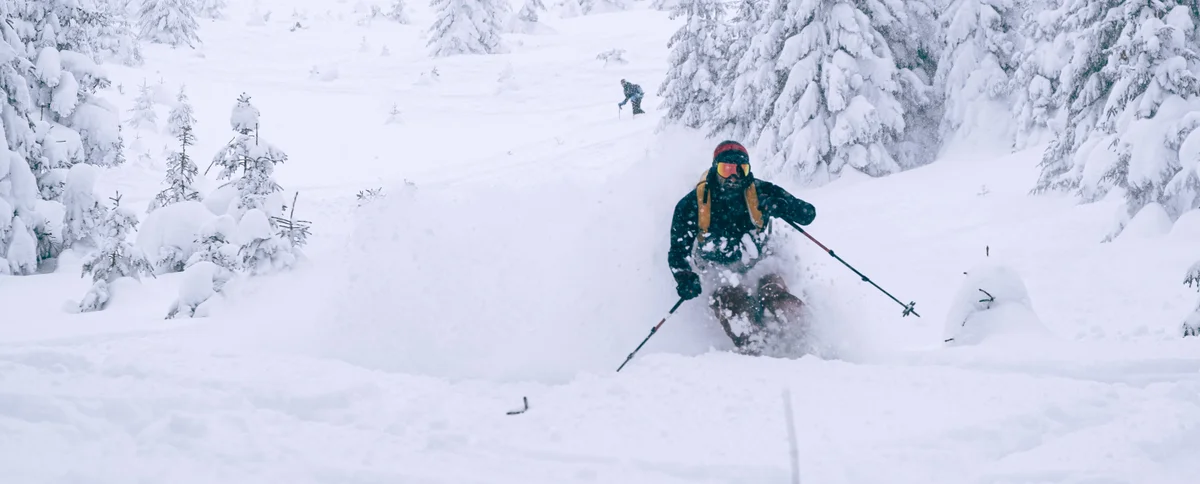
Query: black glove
{"points": [[687, 284], [793, 209]]}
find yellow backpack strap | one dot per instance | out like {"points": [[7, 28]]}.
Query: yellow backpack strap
{"points": [[752, 204], [704, 208]]}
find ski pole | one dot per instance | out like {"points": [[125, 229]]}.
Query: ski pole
{"points": [[908, 308], [652, 331]]}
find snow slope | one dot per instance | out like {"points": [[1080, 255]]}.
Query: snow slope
{"points": [[528, 257]]}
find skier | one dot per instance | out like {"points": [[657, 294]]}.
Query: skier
{"points": [[633, 92], [723, 226]]}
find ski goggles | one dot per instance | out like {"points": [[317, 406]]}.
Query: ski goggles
{"points": [[726, 170]]}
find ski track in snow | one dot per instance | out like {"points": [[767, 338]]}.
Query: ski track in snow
{"points": [[252, 394]]}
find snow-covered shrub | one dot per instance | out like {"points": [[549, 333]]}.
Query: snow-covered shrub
{"points": [[200, 283], [467, 27], [116, 258], [171, 22], [169, 235], [506, 80], [263, 251], [616, 56], [84, 215], [991, 303], [215, 244], [393, 116]]}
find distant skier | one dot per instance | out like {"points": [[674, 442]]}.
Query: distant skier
{"points": [[723, 226], [633, 92]]}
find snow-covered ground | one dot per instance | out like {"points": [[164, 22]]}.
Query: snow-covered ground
{"points": [[527, 258]]}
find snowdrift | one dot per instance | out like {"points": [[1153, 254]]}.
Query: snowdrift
{"points": [[992, 304]]}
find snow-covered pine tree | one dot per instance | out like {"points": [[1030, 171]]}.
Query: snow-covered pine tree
{"points": [[1191, 323], [115, 39], [467, 27], [398, 12], [588, 7], [83, 214], [51, 117], [974, 71], [668, 5], [116, 258], [830, 91], [689, 91], [142, 114], [1132, 75], [18, 198], [254, 158], [244, 117], [180, 115], [171, 22], [1081, 88], [529, 11], [740, 105], [181, 174], [213, 9], [910, 29], [1037, 63]]}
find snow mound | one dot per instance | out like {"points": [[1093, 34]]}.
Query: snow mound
{"points": [[1151, 221], [168, 235], [991, 304]]}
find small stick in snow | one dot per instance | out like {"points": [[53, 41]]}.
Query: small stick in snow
{"points": [[521, 411], [793, 446]]}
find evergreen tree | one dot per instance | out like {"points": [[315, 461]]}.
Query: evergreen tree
{"points": [[588, 7], [689, 90], [143, 115], [529, 11], [115, 39], [736, 110], [1081, 87], [213, 9], [1133, 65], [180, 115], [831, 97], [254, 158], [467, 27], [171, 22], [1037, 64], [181, 174], [398, 12], [116, 258], [974, 69], [51, 116], [18, 198], [244, 117]]}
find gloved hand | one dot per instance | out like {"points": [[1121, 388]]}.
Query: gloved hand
{"points": [[687, 284]]}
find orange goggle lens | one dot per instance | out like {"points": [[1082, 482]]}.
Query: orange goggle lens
{"points": [[725, 170]]}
